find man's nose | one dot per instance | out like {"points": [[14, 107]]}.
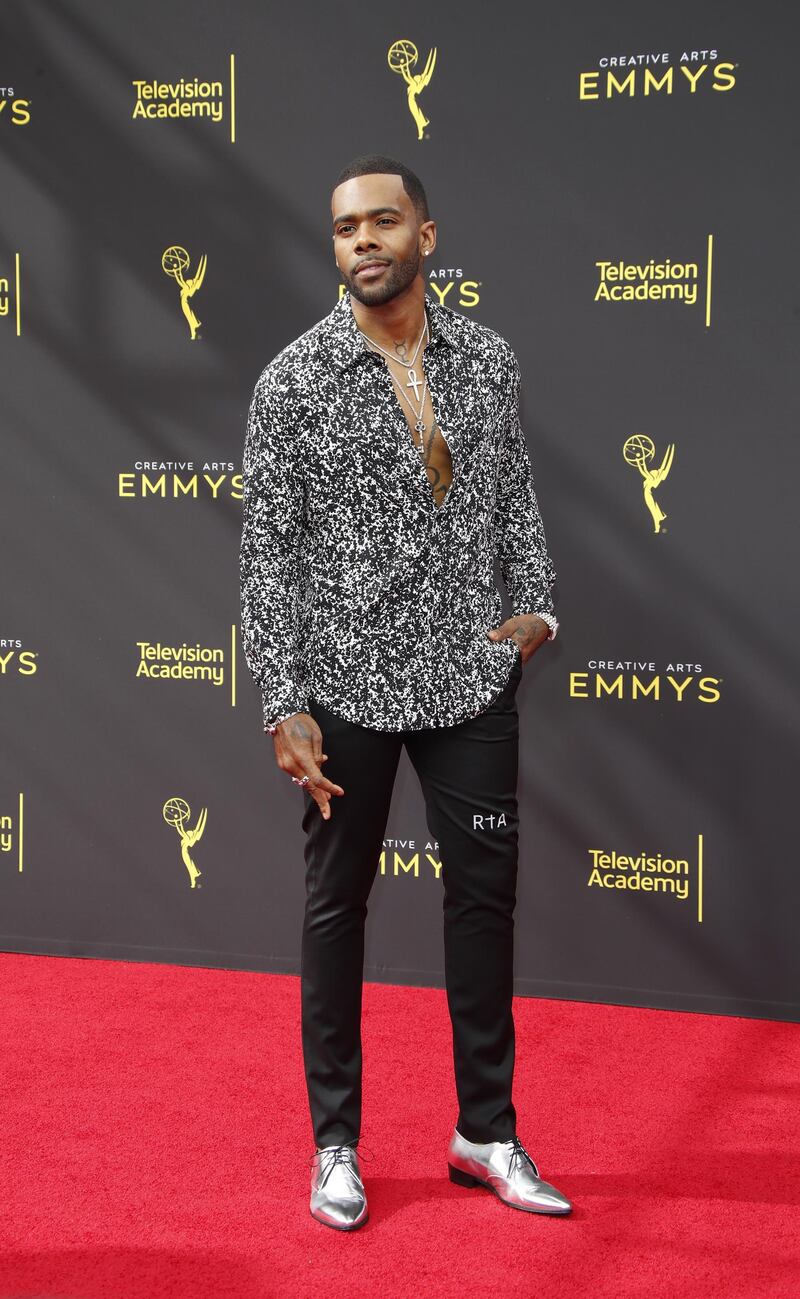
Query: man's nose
{"points": [[365, 239]]}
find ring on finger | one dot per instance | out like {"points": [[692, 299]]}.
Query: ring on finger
{"points": [[300, 780]]}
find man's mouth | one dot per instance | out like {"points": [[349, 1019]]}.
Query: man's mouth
{"points": [[370, 270]]}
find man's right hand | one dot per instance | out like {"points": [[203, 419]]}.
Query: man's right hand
{"points": [[298, 751]]}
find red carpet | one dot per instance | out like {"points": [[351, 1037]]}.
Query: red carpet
{"points": [[155, 1146]]}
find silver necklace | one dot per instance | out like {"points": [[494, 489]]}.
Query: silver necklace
{"points": [[414, 380], [420, 425]]}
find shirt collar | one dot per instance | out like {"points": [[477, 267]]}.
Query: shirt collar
{"points": [[345, 344]]}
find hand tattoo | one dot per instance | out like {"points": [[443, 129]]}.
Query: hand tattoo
{"points": [[526, 632]]}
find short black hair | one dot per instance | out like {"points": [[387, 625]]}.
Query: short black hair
{"points": [[371, 164]]}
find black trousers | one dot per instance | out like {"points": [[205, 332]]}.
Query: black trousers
{"points": [[468, 775]]}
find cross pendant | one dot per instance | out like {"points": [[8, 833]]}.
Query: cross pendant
{"points": [[414, 382]]}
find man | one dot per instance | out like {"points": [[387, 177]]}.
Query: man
{"points": [[384, 470]]}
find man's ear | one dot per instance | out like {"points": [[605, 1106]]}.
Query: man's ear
{"points": [[428, 231]]}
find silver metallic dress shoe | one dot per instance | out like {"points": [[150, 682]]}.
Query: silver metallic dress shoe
{"points": [[337, 1192], [506, 1168]]}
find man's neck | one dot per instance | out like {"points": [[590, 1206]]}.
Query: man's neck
{"points": [[399, 321]]}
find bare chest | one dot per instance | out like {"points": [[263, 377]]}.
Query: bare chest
{"points": [[415, 400]]}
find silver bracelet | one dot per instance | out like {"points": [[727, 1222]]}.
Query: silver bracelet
{"points": [[271, 727]]}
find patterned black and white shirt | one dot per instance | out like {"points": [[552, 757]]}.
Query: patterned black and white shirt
{"points": [[359, 591]]}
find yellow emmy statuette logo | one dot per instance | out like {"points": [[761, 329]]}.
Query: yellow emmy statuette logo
{"points": [[174, 261], [176, 812], [638, 451], [403, 55]]}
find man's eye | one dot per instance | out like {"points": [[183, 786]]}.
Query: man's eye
{"points": [[389, 219]]}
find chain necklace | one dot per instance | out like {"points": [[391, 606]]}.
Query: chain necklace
{"points": [[420, 425], [414, 380]]}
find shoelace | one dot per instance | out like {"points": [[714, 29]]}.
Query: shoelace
{"points": [[338, 1155], [518, 1158]]}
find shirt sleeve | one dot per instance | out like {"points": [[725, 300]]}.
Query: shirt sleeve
{"points": [[520, 543], [270, 554]]}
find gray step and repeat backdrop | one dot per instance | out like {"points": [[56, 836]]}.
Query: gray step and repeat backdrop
{"points": [[614, 192]]}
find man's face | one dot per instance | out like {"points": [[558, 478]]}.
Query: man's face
{"points": [[376, 237]]}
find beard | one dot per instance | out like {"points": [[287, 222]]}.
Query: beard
{"points": [[398, 276]]}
